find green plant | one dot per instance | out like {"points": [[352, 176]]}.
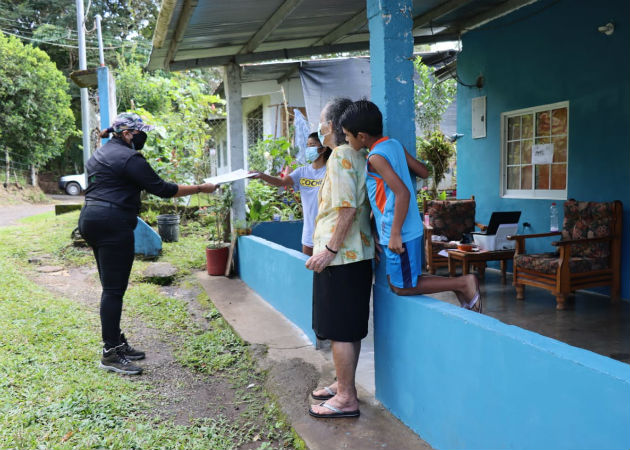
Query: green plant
{"points": [[150, 216], [264, 201], [436, 150], [217, 217], [272, 155]]}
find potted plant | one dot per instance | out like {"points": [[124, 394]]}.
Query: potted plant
{"points": [[217, 250]]}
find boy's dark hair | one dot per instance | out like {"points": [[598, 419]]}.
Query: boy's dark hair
{"points": [[333, 111], [314, 135], [363, 116]]}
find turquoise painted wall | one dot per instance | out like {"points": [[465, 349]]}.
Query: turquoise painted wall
{"points": [[278, 275], [467, 381], [548, 52]]}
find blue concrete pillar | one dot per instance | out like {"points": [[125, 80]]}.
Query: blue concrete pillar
{"points": [[391, 49], [106, 98]]}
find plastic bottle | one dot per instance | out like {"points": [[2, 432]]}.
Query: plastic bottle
{"points": [[553, 217]]}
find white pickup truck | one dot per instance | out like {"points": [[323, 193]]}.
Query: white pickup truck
{"points": [[72, 184]]}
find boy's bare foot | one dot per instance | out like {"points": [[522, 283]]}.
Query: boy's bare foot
{"points": [[467, 295]]}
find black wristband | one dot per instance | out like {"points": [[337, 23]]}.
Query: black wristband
{"points": [[198, 189], [330, 249]]}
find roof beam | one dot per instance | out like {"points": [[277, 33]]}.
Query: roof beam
{"points": [[296, 52], [490, 15], [440, 11], [270, 25], [180, 29], [161, 25], [357, 21], [289, 73]]}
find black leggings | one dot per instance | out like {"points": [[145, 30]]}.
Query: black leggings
{"points": [[109, 231]]}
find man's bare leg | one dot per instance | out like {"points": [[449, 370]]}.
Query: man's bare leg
{"points": [[346, 358]]}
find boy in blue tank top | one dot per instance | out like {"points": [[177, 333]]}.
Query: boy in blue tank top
{"points": [[392, 197]]}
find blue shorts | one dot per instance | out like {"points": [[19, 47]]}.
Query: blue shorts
{"points": [[404, 269]]}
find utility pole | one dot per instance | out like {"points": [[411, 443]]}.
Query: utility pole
{"points": [[85, 105]]}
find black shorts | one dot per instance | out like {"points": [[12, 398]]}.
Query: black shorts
{"points": [[341, 301]]}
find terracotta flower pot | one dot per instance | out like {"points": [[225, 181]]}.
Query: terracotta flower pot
{"points": [[216, 260]]}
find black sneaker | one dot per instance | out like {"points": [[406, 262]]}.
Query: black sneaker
{"points": [[130, 352], [114, 360]]}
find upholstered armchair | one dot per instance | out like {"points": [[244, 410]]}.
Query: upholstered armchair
{"points": [[449, 218], [588, 254]]}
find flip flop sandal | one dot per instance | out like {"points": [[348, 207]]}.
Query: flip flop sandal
{"points": [[336, 412], [475, 304], [330, 395]]}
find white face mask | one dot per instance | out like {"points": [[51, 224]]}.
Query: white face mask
{"points": [[311, 154], [320, 135]]}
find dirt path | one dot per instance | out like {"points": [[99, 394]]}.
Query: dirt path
{"points": [[10, 214], [183, 394]]}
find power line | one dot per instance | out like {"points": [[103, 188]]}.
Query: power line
{"points": [[65, 45], [108, 40], [25, 28]]}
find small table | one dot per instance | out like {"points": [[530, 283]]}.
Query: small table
{"points": [[466, 258]]}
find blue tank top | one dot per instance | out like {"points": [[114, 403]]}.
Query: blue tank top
{"points": [[382, 197]]}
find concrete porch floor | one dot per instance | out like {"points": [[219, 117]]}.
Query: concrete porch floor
{"points": [[593, 322]]}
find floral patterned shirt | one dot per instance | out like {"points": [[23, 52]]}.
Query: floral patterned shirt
{"points": [[344, 187]]}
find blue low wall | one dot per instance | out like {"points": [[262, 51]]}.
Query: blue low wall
{"points": [[278, 275], [463, 380]]}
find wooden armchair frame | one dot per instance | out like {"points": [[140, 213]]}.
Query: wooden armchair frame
{"points": [[433, 259], [563, 283]]}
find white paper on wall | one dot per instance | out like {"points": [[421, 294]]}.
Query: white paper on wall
{"points": [[542, 153]]}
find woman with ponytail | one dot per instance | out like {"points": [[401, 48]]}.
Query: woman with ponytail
{"points": [[116, 174]]}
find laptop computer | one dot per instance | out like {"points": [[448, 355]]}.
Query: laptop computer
{"points": [[499, 218], [502, 224]]}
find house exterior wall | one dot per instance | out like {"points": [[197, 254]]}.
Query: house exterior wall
{"points": [[546, 53]]}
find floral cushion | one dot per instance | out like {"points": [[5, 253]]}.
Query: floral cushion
{"points": [[451, 218], [587, 220], [548, 263]]}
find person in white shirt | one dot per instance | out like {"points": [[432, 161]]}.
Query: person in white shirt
{"points": [[306, 179]]}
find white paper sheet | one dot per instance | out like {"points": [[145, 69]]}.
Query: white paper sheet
{"points": [[542, 154], [229, 177]]}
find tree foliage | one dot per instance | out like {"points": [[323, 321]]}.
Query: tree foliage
{"points": [[52, 25], [35, 114], [431, 97], [180, 106]]}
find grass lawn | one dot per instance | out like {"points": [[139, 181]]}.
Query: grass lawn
{"points": [[52, 394]]}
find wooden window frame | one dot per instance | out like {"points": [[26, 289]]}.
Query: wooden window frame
{"points": [[550, 194]]}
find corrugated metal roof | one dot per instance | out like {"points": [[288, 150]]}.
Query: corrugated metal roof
{"points": [[214, 32]]}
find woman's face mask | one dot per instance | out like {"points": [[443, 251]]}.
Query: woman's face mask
{"points": [[138, 140], [312, 153], [321, 135]]}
